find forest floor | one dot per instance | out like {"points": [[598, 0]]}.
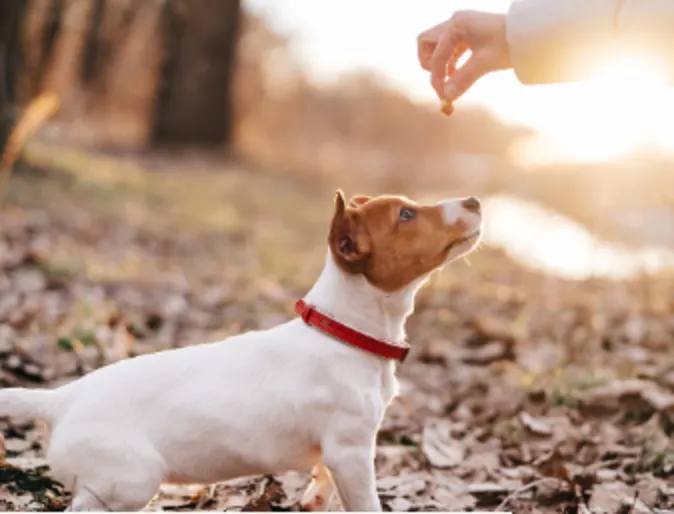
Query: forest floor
{"points": [[522, 392]]}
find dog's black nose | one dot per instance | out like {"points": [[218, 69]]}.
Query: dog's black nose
{"points": [[471, 204]]}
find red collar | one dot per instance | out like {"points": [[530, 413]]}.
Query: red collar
{"points": [[314, 318]]}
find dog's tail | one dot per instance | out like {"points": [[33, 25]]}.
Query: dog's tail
{"points": [[27, 404]]}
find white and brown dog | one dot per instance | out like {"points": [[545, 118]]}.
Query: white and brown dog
{"points": [[308, 394]]}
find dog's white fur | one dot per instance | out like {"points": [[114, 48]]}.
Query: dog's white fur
{"points": [[259, 403]]}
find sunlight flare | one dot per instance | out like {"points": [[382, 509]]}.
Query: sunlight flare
{"points": [[625, 106]]}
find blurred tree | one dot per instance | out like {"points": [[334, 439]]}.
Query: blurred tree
{"points": [[194, 94], [11, 16], [94, 51], [109, 28], [40, 29]]}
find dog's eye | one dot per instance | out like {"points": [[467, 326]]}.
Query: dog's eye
{"points": [[407, 214]]}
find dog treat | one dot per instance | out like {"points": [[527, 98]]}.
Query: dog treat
{"points": [[447, 108]]}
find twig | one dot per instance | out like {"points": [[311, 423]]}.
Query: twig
{"points": [[523, 489]]}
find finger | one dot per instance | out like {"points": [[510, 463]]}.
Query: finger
{"points": [[425, 49], [459, 52], [441, 56], [464, 78], [426, 43]]}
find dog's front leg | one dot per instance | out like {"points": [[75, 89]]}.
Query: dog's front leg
{"points": [[352, 468]]}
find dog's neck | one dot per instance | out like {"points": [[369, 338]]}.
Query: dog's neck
{"points": [[353, 301]]}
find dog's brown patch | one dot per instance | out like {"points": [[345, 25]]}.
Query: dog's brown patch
{"points": [[368, 236]]}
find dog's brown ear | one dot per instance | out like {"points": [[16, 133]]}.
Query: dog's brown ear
{"points": [[348, 239], [358, 200]]}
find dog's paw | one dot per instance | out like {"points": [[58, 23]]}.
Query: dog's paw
{"points": [[313, 501]]}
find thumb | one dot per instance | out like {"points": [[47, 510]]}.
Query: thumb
{"points": [[464, 77]]}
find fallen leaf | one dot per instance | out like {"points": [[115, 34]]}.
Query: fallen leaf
{"points": [[489, 353], [609, 399], [553, 466], [487, 491], [399, 505], [440, 448], [15, 445], [535, 426], [658, 399], [449, 500], [269, 494], [402, 485]]}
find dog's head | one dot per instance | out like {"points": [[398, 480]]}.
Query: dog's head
{"points": [[394, 241]]}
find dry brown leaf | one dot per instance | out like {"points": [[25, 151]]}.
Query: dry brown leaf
{"points": [[403, 485], [611, 398], [449, 500], [391, 459], [293, 484], [436, 351], [440, 448], [535, 426], [26, 463], [399, 505], [491, 352], [16, 445], [658, 399], [610, 497], [230, 500], [553, 466], [269, 494], [487, 491]]}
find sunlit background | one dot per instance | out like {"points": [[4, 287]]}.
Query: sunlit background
{"points": [[625, 105], [622, 113], [576, 178]]}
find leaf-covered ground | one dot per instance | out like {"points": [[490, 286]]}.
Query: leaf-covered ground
{"points": [[522, 392]]}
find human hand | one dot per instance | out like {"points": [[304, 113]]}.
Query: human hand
{"points": [[440, 48]]}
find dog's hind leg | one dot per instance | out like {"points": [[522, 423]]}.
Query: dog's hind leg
{"points": [[105, 472], [127, 494], [321, 491], [87, 500]]}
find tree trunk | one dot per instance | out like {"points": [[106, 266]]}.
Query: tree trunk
{"points": [[92, 61], [11, 18], [193, 104]]}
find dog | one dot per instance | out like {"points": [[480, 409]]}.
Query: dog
{"points": [[308, 394]]}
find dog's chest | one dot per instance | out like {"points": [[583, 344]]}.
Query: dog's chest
{"points": [[389, 383]]}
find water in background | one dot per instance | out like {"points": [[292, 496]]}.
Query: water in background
{"points": [[549, 241]]}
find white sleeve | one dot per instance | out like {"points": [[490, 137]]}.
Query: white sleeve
{"points": [[562, 40]]}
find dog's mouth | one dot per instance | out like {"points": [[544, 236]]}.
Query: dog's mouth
{"points": [[470, 237]]}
